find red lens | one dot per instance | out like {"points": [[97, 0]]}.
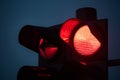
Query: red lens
{"points": [[46, 49], [85, 43], [67, 28]]}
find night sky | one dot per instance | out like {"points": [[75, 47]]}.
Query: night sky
{"points": [[14, 14]]}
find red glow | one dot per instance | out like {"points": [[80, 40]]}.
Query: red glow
{"points": [[83, 63], [85, 43], [49, 51], [67, 28], [41, 41]]}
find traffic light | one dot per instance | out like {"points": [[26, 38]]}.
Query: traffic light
{"points": [[44, 41], [76, 49], [88, 45]]}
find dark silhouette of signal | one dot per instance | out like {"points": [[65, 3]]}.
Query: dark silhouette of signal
{"points": [[76, 49]]}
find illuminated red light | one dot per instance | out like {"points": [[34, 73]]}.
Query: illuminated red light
{"points": [[67, 28], [49, 51], [85, 43]]}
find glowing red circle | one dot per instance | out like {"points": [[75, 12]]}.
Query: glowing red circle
{"points": [[84, 42], [67, 29]]}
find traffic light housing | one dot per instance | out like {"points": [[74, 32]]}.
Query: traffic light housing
{"points": [[86, 38], [76, 49], [87, 41]]}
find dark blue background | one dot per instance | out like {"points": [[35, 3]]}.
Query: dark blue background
{"points": [[14, 14]]}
